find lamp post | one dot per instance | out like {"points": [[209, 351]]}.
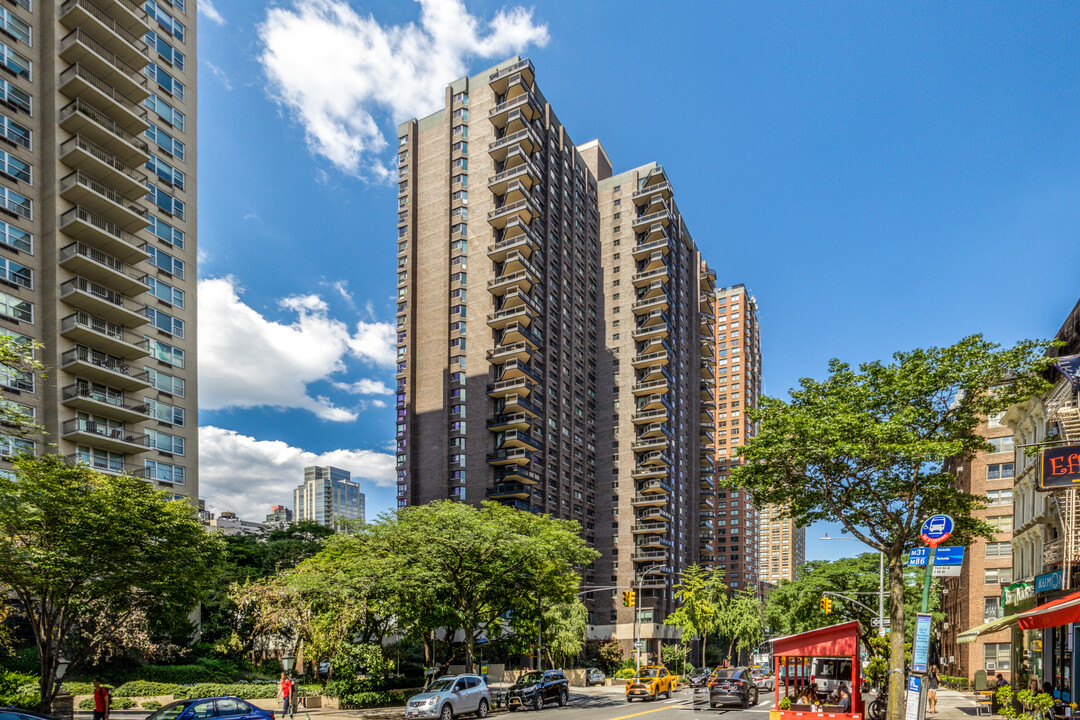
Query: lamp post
{"points": [[63, 705], [881, 583], [288, 662], [653, 571]]}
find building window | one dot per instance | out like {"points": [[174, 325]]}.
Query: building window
{"points": [[999, 497], [997, 576], [997, 657], [1001, 523], [1002, 444], [991, 608], [999, 470], [998, 549]]}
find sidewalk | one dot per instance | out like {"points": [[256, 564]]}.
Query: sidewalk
{"points": [[954, 705]]}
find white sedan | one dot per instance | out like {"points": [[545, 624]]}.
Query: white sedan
{"points": [[763, 680]]}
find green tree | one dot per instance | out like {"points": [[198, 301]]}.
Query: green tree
{"points": [[744, 622], [90, 557], [564, 631], [673, 655], [702, 600], [609, 655], [866, 448]]}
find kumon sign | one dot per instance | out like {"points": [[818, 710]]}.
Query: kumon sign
{"points": [[1059, 468]]}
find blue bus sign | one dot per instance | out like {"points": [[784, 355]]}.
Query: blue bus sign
{"points": [[952, 555], [936, 530]]}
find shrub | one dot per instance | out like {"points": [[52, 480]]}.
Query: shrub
{"points": [[145, 688], [116, 704], [75, 687], [87, 704], [151, 705], [785, 703], [624, 673], [253, 691], [341, 688], [373, 699]]}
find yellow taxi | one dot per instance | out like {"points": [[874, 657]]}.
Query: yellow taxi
{"points": [[649, 682]]}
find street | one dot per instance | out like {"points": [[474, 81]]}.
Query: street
{"points": [[609, 703]]}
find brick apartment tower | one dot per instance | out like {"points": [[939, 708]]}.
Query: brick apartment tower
{"points": [[97, 230], [974, 598], [729, 520], [549, 344]]}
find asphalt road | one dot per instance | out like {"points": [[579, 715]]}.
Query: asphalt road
{"points": [[609, 703]]}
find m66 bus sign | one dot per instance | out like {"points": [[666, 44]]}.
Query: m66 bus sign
{"points": [[1059, 468]]}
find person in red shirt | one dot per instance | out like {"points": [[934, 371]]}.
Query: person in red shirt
{"points": [[284, 694], [102, 699]]}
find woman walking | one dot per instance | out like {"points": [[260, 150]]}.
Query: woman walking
{"points": [[931, 691]]}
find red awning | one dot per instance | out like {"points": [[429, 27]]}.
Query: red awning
{"points": [[834, 641], [1059, 612]]}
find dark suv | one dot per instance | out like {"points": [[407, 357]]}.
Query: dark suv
{"points": [[538, 688], [732, 685]]}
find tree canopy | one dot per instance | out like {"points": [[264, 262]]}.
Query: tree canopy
{"points": [[90, 558], [866, 447]]}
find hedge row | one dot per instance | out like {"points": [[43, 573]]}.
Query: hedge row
{"points": [[342, 687], [253, 691], [960, 683], [117, 703], [355, 701]]}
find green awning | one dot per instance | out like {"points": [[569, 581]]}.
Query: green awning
{"points": [[993, 626]]}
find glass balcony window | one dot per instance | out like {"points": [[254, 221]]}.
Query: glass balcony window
{"points": [[14, 61], [167, 353], [165, 442], [165, 382], [164, 472], [165, 261], [166, 51], [165, 322], [165, 81], [15, 308], [165, 111], [15, 168], [165, 171], [164, 19], [165, 412], [15, 132], [15, 273], [166, 292], [166, 142], [100, 459]]}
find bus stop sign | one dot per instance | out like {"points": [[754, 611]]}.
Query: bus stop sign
{"points": [[936, 530]]}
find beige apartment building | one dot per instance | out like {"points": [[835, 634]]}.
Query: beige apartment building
{"points": [[97, 230], [550, 344], [729, 541], [976, 597], [781, 547]]}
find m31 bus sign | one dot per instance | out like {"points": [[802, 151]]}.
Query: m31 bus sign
{"points": [[1059, 468]]}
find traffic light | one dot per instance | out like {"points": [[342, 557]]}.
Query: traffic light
{"points": [[626, 598], [633, 598], [828, 605], [822, 605]]}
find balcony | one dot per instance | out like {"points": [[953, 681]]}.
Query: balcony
{"points": [[525, 103], [122, 33], [653, 541], [102, 302], [106, 437], [81, 153], [655, 486], [518, 403], [499, 80], [517, 296], [518, 332], [528, 139], [646, 278], [654, 430], [82, 397], [521, 387], [100, 367], [643, 195], [644, 221], [78, 47], [520, 439], [655, 515], [512, 456], [653, 261], [659, 528], [516, 369], [500, 319], [656, 231], [647, 249], [517, 261], [523, 279], [97, 232], [651, 304], [655, 459], [651, 333], [518, 473], [649, 472], [510, 490], [650, 443], [510, 421], [651, 416], [108, 466], [513, 351], [103, 335], [705, 483], [525, 174], [81, 118], [706, 415], [101, 267], [524, 243], [79, 82], [525, 210], [642, 555], [654, 289], [102, 200], [653, 402], [649, 359], [649, 500]]}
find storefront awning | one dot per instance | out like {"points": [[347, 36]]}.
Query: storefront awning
{"points": [[1062, 611], [991, 627], [834, 641]]}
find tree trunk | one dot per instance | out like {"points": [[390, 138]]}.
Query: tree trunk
{"points": [[896, 635]]}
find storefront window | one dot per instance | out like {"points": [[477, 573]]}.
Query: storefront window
{"points": [[1061, 663]]}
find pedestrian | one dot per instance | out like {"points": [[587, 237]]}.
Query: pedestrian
{"points": [[1033, 686], [102, 700], [845, 699], [931, 690], [285, 695], [1001, 681]]}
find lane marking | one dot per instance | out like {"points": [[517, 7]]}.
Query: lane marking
{"points": [[645, 712]]}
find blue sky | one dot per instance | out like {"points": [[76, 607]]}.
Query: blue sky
{"points": [[881, 175]]}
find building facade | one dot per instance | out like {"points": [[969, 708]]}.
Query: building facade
{"points": [[329, 497], [782, 546], [279, 518], [550, 351], [229, 523], [976, 597], [97, 231], [729, 542]]}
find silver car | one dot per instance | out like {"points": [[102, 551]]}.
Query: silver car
{"points": [[594, 676], [450, 697]]}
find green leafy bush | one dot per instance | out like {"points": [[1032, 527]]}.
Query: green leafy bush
{"points": [[252, 691], [87, 704], [116, 703], [74, 687], [151, 705], [372, 699], [145, 688], [19, 689], [624, 673], [340, 688]]}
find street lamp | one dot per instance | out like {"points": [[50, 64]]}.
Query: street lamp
{"points": [[61, 667], [653, 571], [288, 662], [881, 583]]}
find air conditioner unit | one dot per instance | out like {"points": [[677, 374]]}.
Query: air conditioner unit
{"points": [[991, 666]]}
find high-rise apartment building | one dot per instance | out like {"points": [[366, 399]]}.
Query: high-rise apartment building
{"points": [[781, 546], [729, 515], [329, 497], [975, 597], [549, 337], [279, 518], [97, 230]]}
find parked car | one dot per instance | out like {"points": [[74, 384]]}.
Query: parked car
{"points": [[698, 677], [14, 713], [594, 676], [451, 696], [649, 682], [536, 689], [763, 679], [733, 686], [203, 708]]}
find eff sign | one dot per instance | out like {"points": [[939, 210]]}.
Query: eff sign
{"points": [[1059, 467]]}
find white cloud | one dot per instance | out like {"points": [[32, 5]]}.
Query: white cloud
{"points": [[366, 387], [246, 360], [247, 476], [400, 71], [206, 7], [220, 75]]}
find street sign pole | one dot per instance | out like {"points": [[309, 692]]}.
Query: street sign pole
{"points": [[926, 580]]}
